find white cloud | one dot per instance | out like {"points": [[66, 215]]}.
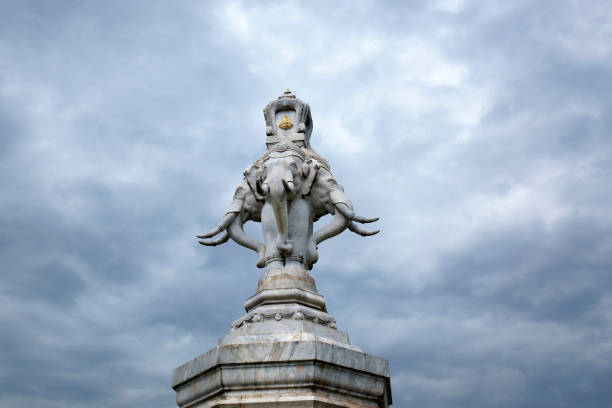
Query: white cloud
{"points": [[583, 32], [419, 61], [536, 200], [452, 6]]}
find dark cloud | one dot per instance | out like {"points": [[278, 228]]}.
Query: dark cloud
{"points": [[52, 282], [478, 131]]}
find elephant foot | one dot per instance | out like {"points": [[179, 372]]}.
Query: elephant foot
{"points": [[285, 247], [312, 255], [261, 258]]}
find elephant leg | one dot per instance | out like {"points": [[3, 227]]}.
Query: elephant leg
{"points": [[300, 229], [237, 233], [312, 255], [270, 232]]}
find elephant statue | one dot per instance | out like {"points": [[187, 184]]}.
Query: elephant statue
{"points": [[287, 190]]}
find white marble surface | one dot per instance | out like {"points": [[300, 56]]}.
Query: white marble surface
{"points": [[291, 371]]}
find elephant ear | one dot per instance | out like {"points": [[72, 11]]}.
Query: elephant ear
{"points": [[309, 171], [252, 177]]}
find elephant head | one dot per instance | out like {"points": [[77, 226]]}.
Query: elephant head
{"points": [[244, 207], [328, 197]]}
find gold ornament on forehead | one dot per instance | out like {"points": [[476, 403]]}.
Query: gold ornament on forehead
{"points": [[286, 123]]}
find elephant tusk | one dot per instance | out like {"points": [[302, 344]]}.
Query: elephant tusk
{"points": [[353, 227], [289, 186], [211, 233], [221, 240], [350, 214], [365, 220], [265, 189], [345, 210], [227, 220]]}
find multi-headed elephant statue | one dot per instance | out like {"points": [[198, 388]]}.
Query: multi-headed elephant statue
{"points": [[287, 190]]}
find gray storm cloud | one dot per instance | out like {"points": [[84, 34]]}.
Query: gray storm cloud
{"points": [[478, 131]]}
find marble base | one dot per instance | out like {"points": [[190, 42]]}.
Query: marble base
{"points": [[283, 374], [284, 352]]}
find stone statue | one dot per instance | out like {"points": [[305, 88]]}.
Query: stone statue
{"points": [[286, 351], [287, 189]]}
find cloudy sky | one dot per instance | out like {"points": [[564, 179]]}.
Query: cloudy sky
{"points": [[480, 133]]}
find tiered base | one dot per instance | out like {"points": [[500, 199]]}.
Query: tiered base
{"points": [[284, 352], [283, 374]]}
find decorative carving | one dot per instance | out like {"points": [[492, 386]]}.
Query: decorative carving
{"points": [[288, 102], [283, 311], [286, 123]]}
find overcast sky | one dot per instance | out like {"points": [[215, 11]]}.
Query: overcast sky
{"points": [[480, 133]]}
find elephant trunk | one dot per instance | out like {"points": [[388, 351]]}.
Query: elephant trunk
{"points": [[236, 232], [338, 223], [278, 190]]}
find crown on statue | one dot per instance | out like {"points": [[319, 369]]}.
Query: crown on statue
{"points": [[281, 114]]}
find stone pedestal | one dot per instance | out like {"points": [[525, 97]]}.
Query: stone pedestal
{"points": [[284, 352]]}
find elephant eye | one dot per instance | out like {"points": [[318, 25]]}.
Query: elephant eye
{"points": [[293, 166]]}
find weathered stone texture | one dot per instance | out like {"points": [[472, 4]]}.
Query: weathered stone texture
{"points": [[278, 374]]}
